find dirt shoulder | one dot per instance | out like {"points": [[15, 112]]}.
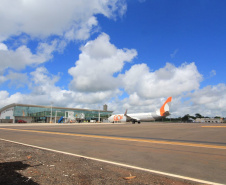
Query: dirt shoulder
{"points": [[26, 165]]}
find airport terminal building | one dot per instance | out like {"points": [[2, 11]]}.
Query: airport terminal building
{"points": [[15, 113]]}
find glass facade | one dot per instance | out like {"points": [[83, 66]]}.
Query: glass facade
{"points": [[43, 114]]}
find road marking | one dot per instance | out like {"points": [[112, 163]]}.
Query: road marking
{"points": [[118, 164], [125, 139], [215, 126]]}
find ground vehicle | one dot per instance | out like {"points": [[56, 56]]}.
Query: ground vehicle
{"points": [[93, 121], [21, 121]]}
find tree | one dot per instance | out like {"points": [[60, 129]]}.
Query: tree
{"points": [[186, 117], [217, 117], [197, 115]]}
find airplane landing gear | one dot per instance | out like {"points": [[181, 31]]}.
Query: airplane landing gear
{"points": [[133, 122]]}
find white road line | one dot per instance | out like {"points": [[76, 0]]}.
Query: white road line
{"points": [[118, 164]]}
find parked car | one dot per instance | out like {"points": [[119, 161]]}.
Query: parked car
{"points": [[21, 121]]}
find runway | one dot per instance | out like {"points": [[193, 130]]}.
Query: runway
{"points": [[190, 150]]}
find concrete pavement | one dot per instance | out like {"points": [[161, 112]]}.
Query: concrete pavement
{"points": [[183, 149]]}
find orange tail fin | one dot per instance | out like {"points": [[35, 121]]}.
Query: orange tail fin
{"points": [[165, 107]]}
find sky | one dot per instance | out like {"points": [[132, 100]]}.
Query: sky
{"points": [[128, 54]]}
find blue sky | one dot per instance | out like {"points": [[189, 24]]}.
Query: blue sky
{"points": [[127, 54]]}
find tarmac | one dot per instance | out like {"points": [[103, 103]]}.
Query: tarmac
{"points": [[184, 150], [50, 124]]}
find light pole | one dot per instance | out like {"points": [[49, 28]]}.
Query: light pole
{"points": [[99, 115], [51, 112], [56, 114]]}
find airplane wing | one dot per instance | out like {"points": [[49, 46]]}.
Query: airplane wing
{"points": [[131, 118]]}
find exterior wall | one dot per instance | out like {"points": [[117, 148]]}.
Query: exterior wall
{"points": [[200, 120], [209, 120], [6, 120], [7, 114]]}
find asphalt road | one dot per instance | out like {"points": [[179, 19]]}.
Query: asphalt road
{"points": [[190, 150]]}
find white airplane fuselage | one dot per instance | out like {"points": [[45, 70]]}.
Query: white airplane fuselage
{"points": [[138, 117]]}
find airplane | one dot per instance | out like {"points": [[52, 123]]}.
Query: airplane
{"points": [[138, 117]]}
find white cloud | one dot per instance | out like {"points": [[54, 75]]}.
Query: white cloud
{"points": [[44, 18], [167, 81], [208, 101], [22, 56], [53, 24], [6, 98], [44, 91], [82, 31], [3, 96], [2, 79], [17, 80], [3, 47], [43, 81], [97, 64], [212, 97]]}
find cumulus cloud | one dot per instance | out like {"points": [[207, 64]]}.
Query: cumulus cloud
{"points": [[167, 81], [17, 80], [6, 98], [98, 62], [22, 56], [208, 101], [41, 84], [98, 78], [213, 97], [81, 31], [43, 18], [2, 79], [43, 81], [44, 90], [3, 47], [52, 24]]}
